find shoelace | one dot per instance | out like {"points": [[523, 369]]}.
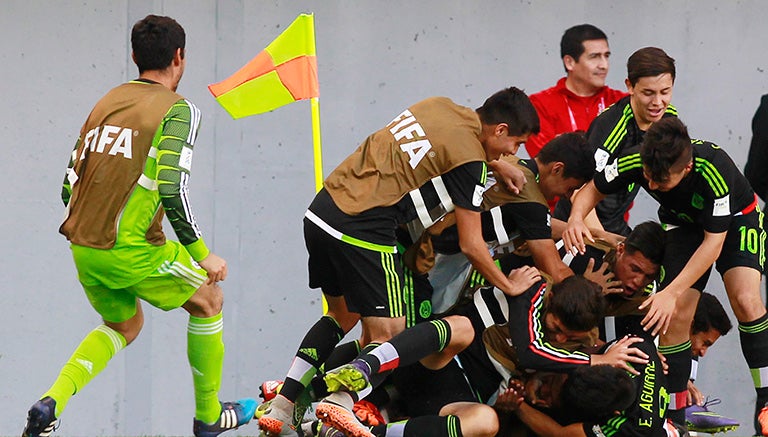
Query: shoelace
{"points": [[710, 402]]}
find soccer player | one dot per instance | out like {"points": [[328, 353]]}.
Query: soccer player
{"points": [[635, 410], [441, 393], [563, 166], [650, 81], [712, 216], [131, 164], [429, 160], [581, 95]]}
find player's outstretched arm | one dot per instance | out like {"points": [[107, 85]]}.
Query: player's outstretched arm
{"points": [[576, 230], [661, 306]]}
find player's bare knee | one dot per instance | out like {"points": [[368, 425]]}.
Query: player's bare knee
{"points": [[207, 301], [345, 319], [381, 329], [129, 329], [462, 332]]}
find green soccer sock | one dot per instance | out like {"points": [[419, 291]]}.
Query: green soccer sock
{"points": [[205, 351], [90, 358]]}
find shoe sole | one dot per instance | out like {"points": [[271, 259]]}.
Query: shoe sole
{"points": [[272, 427], [341, 419], [716, 430], [350, 379]]}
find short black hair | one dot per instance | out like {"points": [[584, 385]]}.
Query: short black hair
{"points": [[573, 150], [154, 41], [594, 393], [649, 62], [513, 107], [665, 146], [710, 314], [572, 42], [649, 239], [577, 302]]}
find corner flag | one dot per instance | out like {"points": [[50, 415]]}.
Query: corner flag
{"points": [[284, 72]]}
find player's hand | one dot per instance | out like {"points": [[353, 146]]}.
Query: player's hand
{"points": [[664, 364], [510, 398], [621, 354], [602, 277], [215, 266], [574, 235], [512, 177], [522, 279], [661, 307], [695, 396]]}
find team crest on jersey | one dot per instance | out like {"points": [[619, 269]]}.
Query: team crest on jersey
{"points": [[697, 201], [722, 206], [611, 171], [601, 159]]}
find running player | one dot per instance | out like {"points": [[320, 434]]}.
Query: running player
{"points": [[131, 165]]}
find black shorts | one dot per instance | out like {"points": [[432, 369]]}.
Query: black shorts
{"points": [[744, 246], [370, 281], [423, 392]]}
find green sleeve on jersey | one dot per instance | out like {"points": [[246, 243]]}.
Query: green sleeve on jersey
{"points": [[66, 188], [175, 140]]}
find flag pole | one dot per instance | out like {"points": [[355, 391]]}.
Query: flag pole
{"points": [[316, 143], [317, 147]]}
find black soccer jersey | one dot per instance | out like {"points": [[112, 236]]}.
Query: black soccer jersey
{"points": [[646, 416], [612, 132], [708, 196], [525, 217]]}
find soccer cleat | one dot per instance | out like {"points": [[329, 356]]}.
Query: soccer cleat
{"points": [[319, 429], [336, 415], [41, 418], [699, 418], [261, 410], [270, 389], [762, 418], [349, 377], [233, 415], [368, 413], [277, 418]]}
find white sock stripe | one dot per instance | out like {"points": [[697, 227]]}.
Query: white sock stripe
{"points": [[113, 336], [385, 353], [205, 328], [299, 368], [760, 377]]}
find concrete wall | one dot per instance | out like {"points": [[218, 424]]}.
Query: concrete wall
{"points": [[253, 178]]}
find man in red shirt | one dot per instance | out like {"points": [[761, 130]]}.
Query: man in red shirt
{"points": [[581, 95]]}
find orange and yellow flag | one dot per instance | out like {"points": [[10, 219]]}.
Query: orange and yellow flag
{"points": [[284, 72]]}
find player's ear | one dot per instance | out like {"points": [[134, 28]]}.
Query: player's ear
{"points": [[558, 168], [501, 130]]}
